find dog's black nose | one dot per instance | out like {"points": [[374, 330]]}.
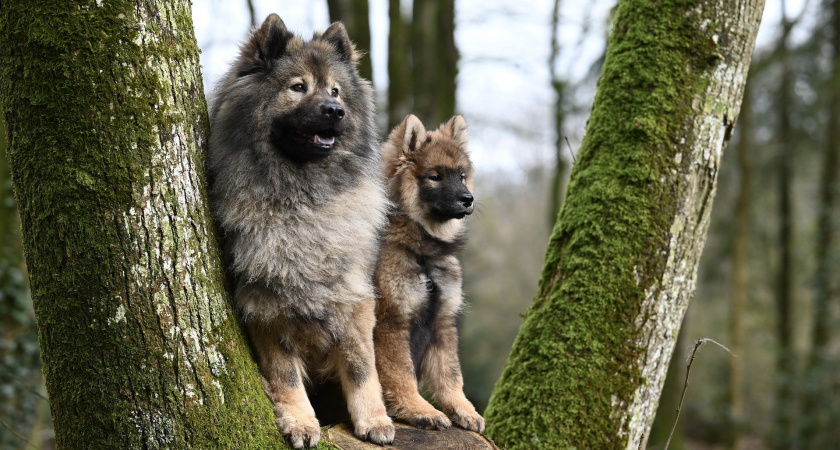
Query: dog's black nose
{"points": [[466, 199], [333, 111]]}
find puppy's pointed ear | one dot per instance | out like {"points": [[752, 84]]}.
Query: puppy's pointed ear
{"points": [[337, 36], [265, 45], [457, 129], [414, 135]]}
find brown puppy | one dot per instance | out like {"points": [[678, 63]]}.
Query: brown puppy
{"points": [[296, 185], [429, 179]]}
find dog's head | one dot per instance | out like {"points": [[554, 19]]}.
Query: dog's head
{"points": [[312, 97], [429, 173]]}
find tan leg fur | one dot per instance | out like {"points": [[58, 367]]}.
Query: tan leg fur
{"points": [[283, 382]]}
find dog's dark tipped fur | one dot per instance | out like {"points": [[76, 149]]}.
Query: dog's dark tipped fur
{"points": [[419, 277], [295, 185]]}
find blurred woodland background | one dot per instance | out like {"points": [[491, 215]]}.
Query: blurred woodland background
{"points": [[524, 76]]}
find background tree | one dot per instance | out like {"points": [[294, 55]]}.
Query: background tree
{"points": [[434, 57], [786, 364], [588, 364], [557, 84], [822, 363], [740, 262], [356, 17], [21, 387], [399, 65], [422, 62]]}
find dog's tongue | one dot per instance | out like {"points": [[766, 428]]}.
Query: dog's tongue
{"points": [[324, 140]]}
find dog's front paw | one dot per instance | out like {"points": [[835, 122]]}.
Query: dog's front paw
{"points": [[302, 432], [468, 420], [430, 420], [379, 430]]}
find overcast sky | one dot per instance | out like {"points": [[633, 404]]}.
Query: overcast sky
{"points": [[503, 80]]}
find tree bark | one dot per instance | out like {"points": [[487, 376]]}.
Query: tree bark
{"points": [[108, 128], [588, 365], [356, 17]]}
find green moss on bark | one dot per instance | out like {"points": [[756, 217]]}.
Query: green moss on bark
{"points": [[576, 363], [108, 127]]}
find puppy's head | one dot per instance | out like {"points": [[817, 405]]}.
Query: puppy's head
{"points": [[429, 173]]}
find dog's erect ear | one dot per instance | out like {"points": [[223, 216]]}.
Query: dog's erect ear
{"points": [[337, 36], [457, 129], [265, 45], [414, 135]]}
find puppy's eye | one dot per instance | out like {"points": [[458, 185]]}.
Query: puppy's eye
{"points": [[335, 92], [435, 177], [299, 87]]}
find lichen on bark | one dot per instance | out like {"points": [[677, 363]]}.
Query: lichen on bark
{"points": [[588, 364]]}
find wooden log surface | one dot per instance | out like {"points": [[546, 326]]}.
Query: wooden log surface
{"points": [[410, 438]]}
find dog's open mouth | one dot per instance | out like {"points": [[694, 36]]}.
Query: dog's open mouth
{"points": [[304, 143], [322, 140]]}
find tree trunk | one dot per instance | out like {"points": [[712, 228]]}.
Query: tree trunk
{"points": [[740, 281], [356, 17], [588, 364], [669, 400], [557, 185], [434, 60], [108, 125], [399, 68], [20, 362], [827, 289], [822, 363], [785, 364]]}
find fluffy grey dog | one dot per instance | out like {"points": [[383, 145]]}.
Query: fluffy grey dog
{"points": [[295, 183]]}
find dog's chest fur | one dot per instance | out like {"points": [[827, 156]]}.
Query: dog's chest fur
{"points": [[310, 256]]}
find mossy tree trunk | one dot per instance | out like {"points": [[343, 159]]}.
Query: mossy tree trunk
{"points": [[589, 362], [107, 124]]}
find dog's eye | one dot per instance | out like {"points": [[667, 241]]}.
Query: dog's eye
{"points": [[335, 92], [299, 87], [435, 177]]}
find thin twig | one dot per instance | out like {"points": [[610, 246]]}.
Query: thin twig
{"points": [[20, 436], [687, 373], [685, 388], [28, 388], [572, 152]]}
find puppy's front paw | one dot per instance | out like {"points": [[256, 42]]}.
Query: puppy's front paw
{"points": [[302, 432], [430, 420], [379, 430], [468, 420]]}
